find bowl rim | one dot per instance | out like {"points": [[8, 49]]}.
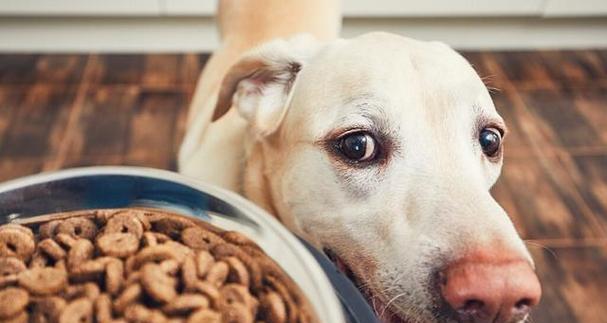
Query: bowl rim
{"points": [[319, 290]]}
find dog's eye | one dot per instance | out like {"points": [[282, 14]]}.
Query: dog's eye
{"points": [[358, 146], [490, 140]]}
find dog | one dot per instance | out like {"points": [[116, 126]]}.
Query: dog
{"points": [[379, 150]]}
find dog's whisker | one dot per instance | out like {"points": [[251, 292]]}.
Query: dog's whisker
{"points": [[487, 80], [493, 89], [391, 301], [527, 319], [374, 304], [389, 288], [541, 246], [364, 286]]}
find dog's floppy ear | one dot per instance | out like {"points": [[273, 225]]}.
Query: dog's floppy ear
{"points": [[260, 83]]}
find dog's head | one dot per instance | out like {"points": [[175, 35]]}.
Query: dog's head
{"points": [[381, 150]]}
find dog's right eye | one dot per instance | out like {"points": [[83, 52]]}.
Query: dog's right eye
{"points": [[358, 146]]}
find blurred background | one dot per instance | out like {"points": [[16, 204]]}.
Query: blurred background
{"points": [[87, 82], [187, 25]]}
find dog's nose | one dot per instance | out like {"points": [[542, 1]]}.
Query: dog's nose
{"points": [[490, 290]]}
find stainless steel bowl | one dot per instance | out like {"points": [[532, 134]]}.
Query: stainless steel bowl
{"points": [[112, 187]]}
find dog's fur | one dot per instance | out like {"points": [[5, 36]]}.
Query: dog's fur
{"points": [[396, 222]]}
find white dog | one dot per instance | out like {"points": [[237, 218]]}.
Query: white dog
{"points": [[379, 149]]}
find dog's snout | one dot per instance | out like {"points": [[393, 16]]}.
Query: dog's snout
{"points": [[490, 289]]}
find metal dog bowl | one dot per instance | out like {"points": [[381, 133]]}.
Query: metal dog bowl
{"points": [[331, 294]]}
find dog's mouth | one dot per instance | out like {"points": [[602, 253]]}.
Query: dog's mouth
{"points": [[383, 311]]}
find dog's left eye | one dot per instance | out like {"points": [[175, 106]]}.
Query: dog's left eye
{"points": [[490, 140], [358, 146]]}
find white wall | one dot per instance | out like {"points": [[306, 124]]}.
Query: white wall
{"points": [[187, 25], [351, 8]]}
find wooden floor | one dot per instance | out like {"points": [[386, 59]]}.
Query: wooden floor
{"points": [[60, 111]]}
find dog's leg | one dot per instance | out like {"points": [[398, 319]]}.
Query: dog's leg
{"points": [[243, 24]]}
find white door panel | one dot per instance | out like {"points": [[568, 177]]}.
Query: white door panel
{"points": [[408, 8], [80, 7], [575, 8]]}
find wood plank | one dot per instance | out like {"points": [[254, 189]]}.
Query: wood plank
{"points": [[9, 102], [590, 104], [153, 72], [161, 71], [63, 136], [97, 160], [191, 67], [524, 68], [556, 114], [553, 185], [180, 128], [493, 81], [589, 173], [573, 283], [106, 119], [602, 55], [516, 142], [17, 69], [542, 200], [151, 129], [119, 69], [28, 133], [64, 69], [12, 168], [44, 69], [573, 69]]}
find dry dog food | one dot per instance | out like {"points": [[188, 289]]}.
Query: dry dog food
{"points": [[136, 265]]}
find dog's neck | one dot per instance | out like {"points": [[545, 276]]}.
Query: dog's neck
{"points": [[257, 183], [238, 161]]}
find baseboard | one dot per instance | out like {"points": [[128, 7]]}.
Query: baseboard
{"points": [[494, 33], [198, 34]]}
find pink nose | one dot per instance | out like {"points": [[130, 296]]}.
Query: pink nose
{"points": [[490, 289]]}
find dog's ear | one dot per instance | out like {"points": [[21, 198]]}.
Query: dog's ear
{"points": [[260, 83]]}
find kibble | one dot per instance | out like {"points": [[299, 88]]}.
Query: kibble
{"points": [[138, 265]]}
